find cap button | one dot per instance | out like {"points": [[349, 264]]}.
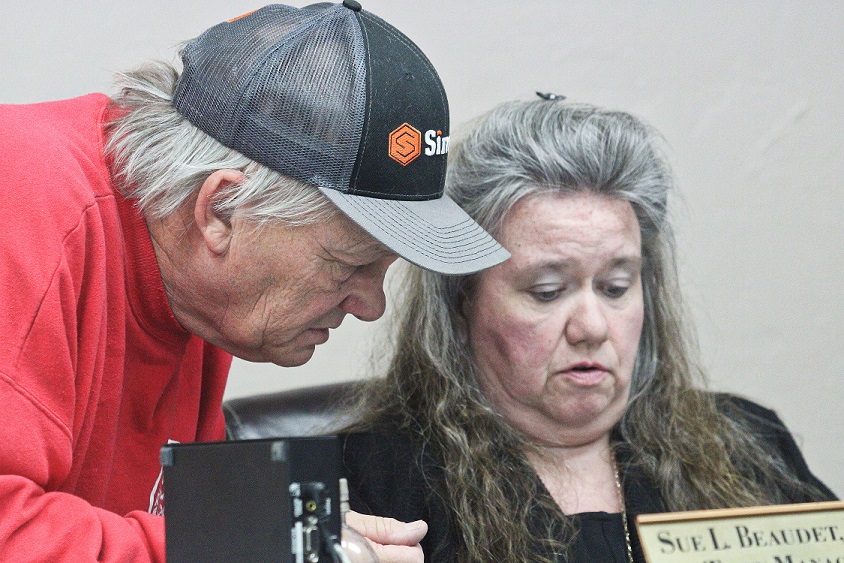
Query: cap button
{"points": [[352, 5]]}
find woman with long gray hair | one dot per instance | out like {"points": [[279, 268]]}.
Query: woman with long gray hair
{"points": [[532, 410]]}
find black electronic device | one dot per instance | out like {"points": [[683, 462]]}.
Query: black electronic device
{"points": [[252, 501]]}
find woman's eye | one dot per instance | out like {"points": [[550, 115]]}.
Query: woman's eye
{"points": [[614, 290], [545, 295]]}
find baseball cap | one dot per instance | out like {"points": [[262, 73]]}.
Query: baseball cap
{"points": [[332, 95]]}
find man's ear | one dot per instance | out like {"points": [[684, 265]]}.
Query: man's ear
{"points": [[216, 230]]}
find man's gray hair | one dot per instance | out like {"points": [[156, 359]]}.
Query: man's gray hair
{"points": [[160, 159]]}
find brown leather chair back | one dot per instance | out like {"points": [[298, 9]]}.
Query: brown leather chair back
{"points": [[306, 411]]}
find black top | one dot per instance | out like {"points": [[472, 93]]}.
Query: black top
{"points": [[391, 475]]}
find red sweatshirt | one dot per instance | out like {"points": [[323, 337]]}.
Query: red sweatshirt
{"points": [[95, 372]]}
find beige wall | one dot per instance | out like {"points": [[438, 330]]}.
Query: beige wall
{"points": [[749, 95]]}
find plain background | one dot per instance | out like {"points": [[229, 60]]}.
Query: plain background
{"points": [[749, 96]]}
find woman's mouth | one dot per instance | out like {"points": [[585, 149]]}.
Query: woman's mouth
{"points": [[586, 374]]}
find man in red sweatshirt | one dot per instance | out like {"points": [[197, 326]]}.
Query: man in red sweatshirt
{"points": [[243, 205]]}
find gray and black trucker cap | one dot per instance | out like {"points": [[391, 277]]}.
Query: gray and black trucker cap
{"points": [[336, 97]]}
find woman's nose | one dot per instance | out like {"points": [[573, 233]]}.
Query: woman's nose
{"points": [[588, 323]]}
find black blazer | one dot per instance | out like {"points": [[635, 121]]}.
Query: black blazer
{"points": [[390, 475]]}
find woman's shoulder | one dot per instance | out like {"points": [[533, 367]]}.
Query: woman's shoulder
{"points": [[759, 420], [736, 406], [766, 424]]}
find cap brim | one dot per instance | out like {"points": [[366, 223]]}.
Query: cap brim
{"points": [[434, 234]]}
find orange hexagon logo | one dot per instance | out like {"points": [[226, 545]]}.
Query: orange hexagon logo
{"points": [[405, 144]]}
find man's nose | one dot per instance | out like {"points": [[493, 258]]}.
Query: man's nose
{"points": [[366, 299]]}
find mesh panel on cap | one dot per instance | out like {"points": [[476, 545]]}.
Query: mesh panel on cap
{"points": [[285, 87]]}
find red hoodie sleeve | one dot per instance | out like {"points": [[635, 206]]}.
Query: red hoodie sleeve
{"points": [[78, 452], [43, 424], [52, 442], [59, 527]]}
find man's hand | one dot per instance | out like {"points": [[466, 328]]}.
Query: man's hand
{"points": [[392, 540]]}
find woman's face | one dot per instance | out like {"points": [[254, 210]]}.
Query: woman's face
{"points": [[555, 329]]}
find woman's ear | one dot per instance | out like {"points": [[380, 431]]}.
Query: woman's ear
{"points": [[216, 230]]}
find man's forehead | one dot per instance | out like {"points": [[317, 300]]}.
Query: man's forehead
{"points": [[348, 239], [366, 247]]}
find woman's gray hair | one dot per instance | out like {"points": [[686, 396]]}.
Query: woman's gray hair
{"points": [[432, 391], [160, 159]]}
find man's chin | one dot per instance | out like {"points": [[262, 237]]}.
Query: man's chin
{"points": [[292, 353], [294, 358], [300, 350]]}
